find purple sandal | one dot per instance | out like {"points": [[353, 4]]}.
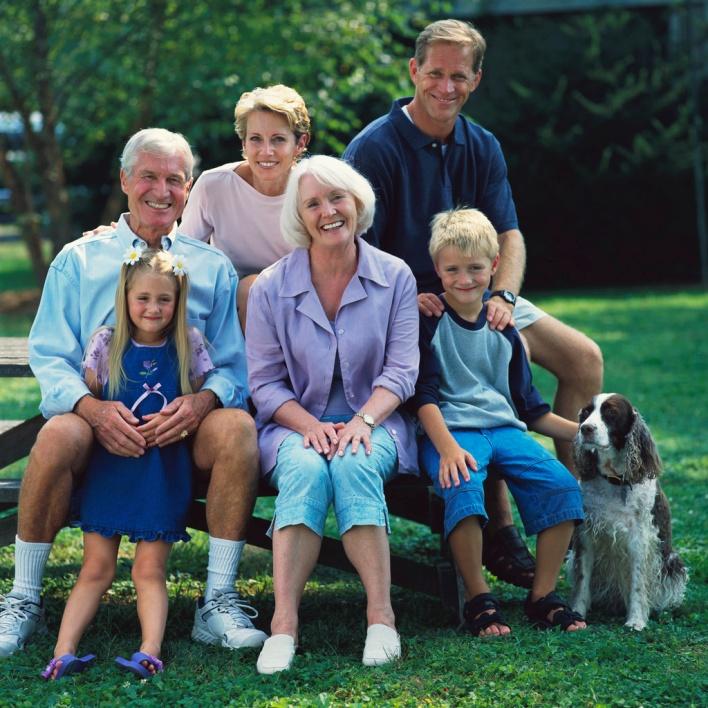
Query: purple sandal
{"points": [[70, 664], [134, 666]]}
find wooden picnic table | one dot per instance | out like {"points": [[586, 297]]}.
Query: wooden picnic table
{"points": [[406, 497]]}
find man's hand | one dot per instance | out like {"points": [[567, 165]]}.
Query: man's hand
{"points": [[100, 230], [185, 413], [500, 313], [113, 425], [430, 304]]}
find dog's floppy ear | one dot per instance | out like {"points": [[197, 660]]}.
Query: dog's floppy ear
{"points": [[585, 463], [642, 457]]}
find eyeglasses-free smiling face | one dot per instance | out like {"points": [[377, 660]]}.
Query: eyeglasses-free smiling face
{"points": [[270, 148], [151, 299], [157, 192], [464, 278], [443, 83], [328, 213]]}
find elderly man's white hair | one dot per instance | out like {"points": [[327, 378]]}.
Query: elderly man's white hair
{"points": [[331, 172], [157, 141]]}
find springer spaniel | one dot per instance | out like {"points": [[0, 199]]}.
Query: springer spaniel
{"points": [[622, 557]]}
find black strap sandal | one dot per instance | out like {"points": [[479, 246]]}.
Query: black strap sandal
{"points": [[476, 616], [506, 556], [539, 610]]}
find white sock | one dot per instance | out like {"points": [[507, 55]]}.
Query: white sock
{"points": [[224, 556], [30, 559]]}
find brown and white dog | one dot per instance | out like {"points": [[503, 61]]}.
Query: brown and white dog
{"points": [[622, 558]]}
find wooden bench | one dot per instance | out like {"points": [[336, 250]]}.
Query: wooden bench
{"points": [[409, 498]]}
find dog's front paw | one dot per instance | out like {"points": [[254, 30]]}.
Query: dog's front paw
{"points": [[636, 624]]}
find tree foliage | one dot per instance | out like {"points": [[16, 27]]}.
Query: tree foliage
{"points": [[591, 108]]}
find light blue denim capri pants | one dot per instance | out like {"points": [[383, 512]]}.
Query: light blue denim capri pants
{"points": [[308, 483], [546, 493]]}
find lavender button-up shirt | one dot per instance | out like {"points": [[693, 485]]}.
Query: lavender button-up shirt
{"points": [[291, 345]]}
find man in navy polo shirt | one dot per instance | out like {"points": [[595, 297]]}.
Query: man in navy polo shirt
{"points": [[422, 158]]}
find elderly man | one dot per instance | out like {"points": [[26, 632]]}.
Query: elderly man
{"points": [[78, 297], [422, 158]]}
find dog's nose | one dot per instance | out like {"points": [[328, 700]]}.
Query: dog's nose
{"points": [[587, 429]]}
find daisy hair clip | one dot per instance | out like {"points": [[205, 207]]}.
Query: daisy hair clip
{"points": [[132, 255], [179, 264]]}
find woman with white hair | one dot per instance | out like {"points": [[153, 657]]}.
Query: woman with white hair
{"points": [[332, 345]]}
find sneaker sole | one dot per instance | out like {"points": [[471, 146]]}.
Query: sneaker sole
{"points": [[206, 637]]}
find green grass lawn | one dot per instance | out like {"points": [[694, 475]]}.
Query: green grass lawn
{"points": [[656, 349]]}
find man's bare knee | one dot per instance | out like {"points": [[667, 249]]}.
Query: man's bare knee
{"points": [[224, 433], [62, 445]]}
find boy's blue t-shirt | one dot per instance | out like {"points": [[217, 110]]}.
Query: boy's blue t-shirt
{"points": [[478, 377]]}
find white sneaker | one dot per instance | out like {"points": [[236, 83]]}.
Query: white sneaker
{"points": [[226, 620], [20, 618], [383, 645], [277, 654]]}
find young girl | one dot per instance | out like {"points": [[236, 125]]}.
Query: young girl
{"points": [[149, 358]]}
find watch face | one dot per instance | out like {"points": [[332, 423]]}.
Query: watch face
{"points": [[369, 420]]}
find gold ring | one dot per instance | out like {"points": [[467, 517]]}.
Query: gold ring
{"points": [[184, 434]]}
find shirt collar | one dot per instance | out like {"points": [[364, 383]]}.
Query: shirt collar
{"points": [[127, 235], [412, 134], [298, 279]]}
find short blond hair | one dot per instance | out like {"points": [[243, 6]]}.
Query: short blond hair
{"points": [[468, 230], [463, 34], [279, 99], [333, 172]]}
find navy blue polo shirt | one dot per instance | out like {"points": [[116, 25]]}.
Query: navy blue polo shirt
{"points": [[414, 179]]}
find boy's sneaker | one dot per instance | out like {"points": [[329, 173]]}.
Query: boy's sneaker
{"points": [[20, 618], [226, 620]]}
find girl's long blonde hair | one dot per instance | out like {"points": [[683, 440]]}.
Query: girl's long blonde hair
{"points": [[159, 263]]}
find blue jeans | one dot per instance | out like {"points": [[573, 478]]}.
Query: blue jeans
{"points": [[308, 483], [546, 493]]}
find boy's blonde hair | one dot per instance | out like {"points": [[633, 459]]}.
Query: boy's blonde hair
{"points": [[468, 230], [159, 263]]}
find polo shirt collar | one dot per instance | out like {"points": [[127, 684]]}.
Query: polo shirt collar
{"points": [[412, 134], [129, 238]]}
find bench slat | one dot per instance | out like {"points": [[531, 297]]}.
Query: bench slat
{"points": [[14, 357], [16, 442]]}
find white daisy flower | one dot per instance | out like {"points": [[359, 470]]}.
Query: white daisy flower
{"points": [[179, 264], [132, 255]]}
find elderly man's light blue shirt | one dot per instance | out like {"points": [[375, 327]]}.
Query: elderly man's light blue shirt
{"points": [[78, 297]]}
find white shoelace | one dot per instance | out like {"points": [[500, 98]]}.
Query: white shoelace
{"points": [[237, 608], [10, 612]]}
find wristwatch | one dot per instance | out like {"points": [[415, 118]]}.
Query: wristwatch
{"points": [[368, 419], [505, 295]]}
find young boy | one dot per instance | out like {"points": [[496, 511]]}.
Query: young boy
{"points": [[475, 399]]}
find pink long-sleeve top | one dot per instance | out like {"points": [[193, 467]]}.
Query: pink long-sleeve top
{"points": [[236, 218]]}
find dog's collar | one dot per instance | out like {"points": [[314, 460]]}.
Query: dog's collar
{"points": [[617, 481]]}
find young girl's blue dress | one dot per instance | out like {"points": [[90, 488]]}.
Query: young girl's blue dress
{"points": [[147, 497]]}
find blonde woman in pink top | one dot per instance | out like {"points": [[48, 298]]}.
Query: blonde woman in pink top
{"points": [[237, 206]]}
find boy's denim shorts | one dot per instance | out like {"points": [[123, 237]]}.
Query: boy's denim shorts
{"points": [[546, 493], [308, 483]]}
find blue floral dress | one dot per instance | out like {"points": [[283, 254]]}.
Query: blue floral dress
{"points": [[144, 498]]}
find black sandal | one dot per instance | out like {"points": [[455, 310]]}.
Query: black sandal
{"points": [[506, 556], [476, 616], [539, 610]]}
